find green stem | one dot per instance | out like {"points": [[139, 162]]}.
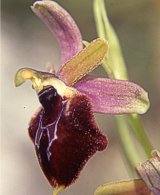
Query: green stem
{"points": [[101, 32], [115, 68], [140, 133], [123, 131], [98, 19], [127, 141], [122, 74], [115, 58]]}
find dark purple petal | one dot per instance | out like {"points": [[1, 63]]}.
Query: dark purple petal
{"points": [[65, 136], [62, 25], [114, 96]]}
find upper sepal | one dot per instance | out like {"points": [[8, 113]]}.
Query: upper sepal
{"points": [[59, 21]]}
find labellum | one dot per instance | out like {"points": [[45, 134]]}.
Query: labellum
{"points": [[64, 131]]}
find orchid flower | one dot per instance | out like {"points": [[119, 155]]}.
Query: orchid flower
{"points": [[64, 131]]}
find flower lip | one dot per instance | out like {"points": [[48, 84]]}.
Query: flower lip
{"points": [[65, 137]]}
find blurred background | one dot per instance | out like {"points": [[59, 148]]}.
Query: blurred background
{"points": [[26, 42]]}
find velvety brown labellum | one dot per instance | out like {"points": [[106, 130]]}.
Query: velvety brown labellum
{"points": [[65, 136]]}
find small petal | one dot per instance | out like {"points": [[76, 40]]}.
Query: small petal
{"points": [[62, 25], [83, 63], [150, 172], [65, 136], [114, 96], [132, 187]]}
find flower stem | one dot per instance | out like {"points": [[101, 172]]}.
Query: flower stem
{"points": [[98, 19], [140, 133], [127, 141], [116, 68]]}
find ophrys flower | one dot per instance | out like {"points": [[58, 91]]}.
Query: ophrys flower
{"points": [[64, 130]]}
